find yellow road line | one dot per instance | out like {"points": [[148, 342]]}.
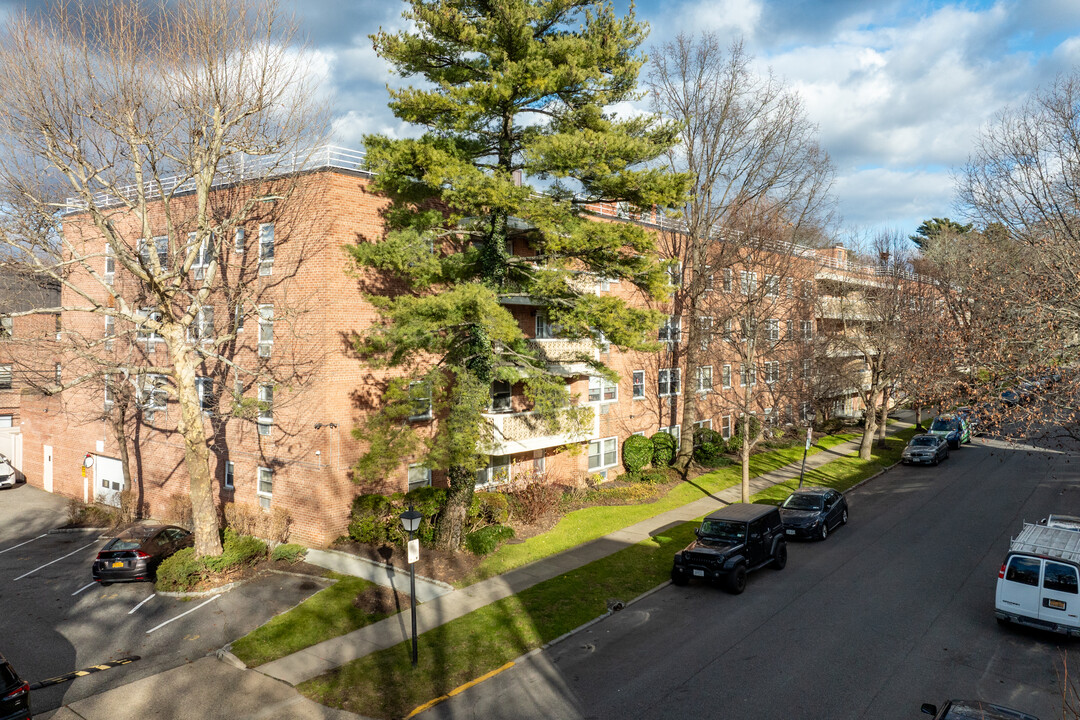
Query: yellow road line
{"points": [[459, 689]]}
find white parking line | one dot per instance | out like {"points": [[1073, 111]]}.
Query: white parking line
{"points": [[141, 604], [182, 614], [83, 588], [55, 561], [22, 543]]}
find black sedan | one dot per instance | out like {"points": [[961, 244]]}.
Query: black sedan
{"points": [[136, 552], [813, 512], [967, 709], [930, 449], [14, 693]]}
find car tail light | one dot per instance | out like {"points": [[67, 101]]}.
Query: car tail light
{"points": [[1001, 572], [140, 555], [101, 555], [18, 692]]}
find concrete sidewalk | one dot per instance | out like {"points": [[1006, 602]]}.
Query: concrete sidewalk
{"points": [[346, 564], [325, 656]]}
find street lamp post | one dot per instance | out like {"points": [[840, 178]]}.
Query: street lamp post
{"points": [[410, 520]]}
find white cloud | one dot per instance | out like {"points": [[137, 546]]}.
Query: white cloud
{"points": [[895, 198]]}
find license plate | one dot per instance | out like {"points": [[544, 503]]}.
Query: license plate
{"points": [[1055, 604], [790, 532], [699, 573], [118, 563]]}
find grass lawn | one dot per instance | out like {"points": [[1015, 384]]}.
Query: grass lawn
{"points": [[384, 685], [326, 614]]}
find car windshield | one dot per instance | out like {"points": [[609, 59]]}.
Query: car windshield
{"points": [[723, 530], [123, 543], [802, 502], [923, 441], [8, 678], [940, 424]]}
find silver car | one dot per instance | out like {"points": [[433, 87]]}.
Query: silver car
{"points": [[8, 476], [928, 449]]}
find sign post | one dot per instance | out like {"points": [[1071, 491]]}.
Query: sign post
{"points": [[806, 449], [410, 521]]}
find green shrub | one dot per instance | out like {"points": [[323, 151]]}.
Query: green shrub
{"points": [[755, 427], [663, 449], [637, 452], [489, 508], [625, 495], [427, 501], [180, 571], [486, 539], [652, 476], [370, 506], [709, 446], [238, 550], [289, 552], [367, 529]]}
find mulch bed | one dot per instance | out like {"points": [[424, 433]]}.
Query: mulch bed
{"points": [[379, 600], [448, 567]]}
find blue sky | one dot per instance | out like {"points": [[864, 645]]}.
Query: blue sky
{"points": [[899, 89]]}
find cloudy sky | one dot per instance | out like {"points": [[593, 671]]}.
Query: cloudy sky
{"points": [[898, 88]]}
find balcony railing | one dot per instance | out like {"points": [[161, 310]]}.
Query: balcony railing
{"points": [[525, 432], [569, 355]]}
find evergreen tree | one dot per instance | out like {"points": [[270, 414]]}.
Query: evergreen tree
{"points": [[938, 227], [510, 89]]}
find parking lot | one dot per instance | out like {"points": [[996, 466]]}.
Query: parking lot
{"points": [[56, 620]]}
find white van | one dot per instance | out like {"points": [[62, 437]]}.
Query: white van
{"points": [[1038, 582]]}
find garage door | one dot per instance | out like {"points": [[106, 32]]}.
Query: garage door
{"points": [[108, 480]]}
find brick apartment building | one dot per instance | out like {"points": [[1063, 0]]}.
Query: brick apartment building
{"points": [[282, 439]]}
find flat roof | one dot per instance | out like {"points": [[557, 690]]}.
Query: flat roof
{"points": [[741, 511]]}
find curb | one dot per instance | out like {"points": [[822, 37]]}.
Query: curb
{"points": [[62, 530], [227, 657], [387, 566], [229, 586]]}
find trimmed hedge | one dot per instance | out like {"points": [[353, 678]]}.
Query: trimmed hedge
{"points": [[182, 570], [289, 552], [637, 452], [376, 519], [709, 446], [664, 448], [485, 540]]}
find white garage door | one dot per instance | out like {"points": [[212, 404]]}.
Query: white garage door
{"points": [[108, 480]]}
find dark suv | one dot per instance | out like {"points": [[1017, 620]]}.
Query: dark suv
{"points": [[732, 542], [14, 693]]}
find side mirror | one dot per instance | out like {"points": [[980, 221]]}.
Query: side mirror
{"points": [[697, 533], [929, 709]]}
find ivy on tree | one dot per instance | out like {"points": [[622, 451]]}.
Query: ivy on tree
{"points": [[517, 88]]}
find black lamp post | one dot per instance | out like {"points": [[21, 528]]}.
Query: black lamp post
{"points": [[410, 520]]}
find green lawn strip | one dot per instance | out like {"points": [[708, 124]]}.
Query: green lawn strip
{"points": [[384, 685], [588, 524], [844, 472], [326, 614]]}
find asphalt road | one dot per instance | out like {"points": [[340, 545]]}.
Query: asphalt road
{"points": [[893, 610], [54, 619]]}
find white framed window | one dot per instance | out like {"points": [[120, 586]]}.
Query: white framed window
{"points": [[639, 432], [238, 241], [266, 330], [266, 248], [729, 329], [671, 330], [161, 243], [238, 317], [772, 371], [705, 324], [543, 327], [5, 377], [501, 396], [266, 409], [704, 378], [57, 373], [153, 394], [807, 329], [806, 369], [230, 475], [805, 412], [770, 419], [264, 487], [110, 331], [807, 288], [675, 274], [772, 330], [109, 399], [7, 328], [601, 341], [747, 282], [710, 279], [205, 387], [790, 287], [747, 375], [729, 280], [638, 380], [498, 471], [202, 327], [668, 382], [673, 431], [144, 334], [539, 462], [202, 257], [790, 330], [602, 390], [419, 476], [6, 421], [725, 427], [419, 401], [704, 424], [110, 264], [772, 285], [725, 376], [603, 454]]}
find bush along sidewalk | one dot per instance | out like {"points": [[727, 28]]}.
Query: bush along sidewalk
{"points": [[183, 572]]}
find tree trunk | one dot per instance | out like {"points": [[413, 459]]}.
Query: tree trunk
{"points": [[884, 417], [118, 420], [918, 416], [744, 457], [870, 416], [451, 524], [204, 514]]}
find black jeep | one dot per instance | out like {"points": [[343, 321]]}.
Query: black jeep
{"points": [[731, 542]]}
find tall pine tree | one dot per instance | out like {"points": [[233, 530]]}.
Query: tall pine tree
{"points": [[511, 89]]}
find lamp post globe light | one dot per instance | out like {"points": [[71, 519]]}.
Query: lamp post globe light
{"points": [[410, 520]]}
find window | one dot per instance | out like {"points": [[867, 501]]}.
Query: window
{"points": [[668, 382], [747, 282], [806, 369], [205, 387], [704, 379], [772, 371], [238, 317], [202, 257], [1060, 578], [419, 476], [7, 327], [57, 374], [603, 453], [807, 288], [709, 279], [705, 331], [144, 334], [601, 340], [161, 242], [725, 427], [543, 327], [790, 329], [603, 390], [728, 280], [675, 274], [539, 462], [501, 396], [772, 330], [265, 487], [202, 327], [807, 329], [5, 377], [153, 394], [772, 285], [419, 401], [108, 393], [59, 325], [790, 287], [747, 375], [704, 424], [673, 431], [671, 330], [805, 412], [266, 248], [110, 264], [729, 330], [638, 379], [238, 241], [1024, 570], [266, 330], [230, 475], [110, 331], [6, 421], [497, 472], [266, 409], [725, 376]]}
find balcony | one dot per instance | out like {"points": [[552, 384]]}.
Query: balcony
{"points": [[525, 432], [568, 358]]}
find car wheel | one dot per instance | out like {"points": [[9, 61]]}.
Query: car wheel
{"points": [[824, 532], [736, 581], [678, 578], [780, 558], [843, 517], [104, 583]]}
